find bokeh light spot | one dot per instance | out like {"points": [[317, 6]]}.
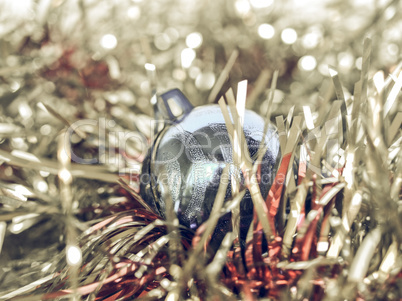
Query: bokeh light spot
{"points": [[194, 40], [307, 63], [289, 36], [266, 31], [109, 41], [187, 57]]}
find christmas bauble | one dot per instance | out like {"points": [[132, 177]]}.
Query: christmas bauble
{"points": [[186, 160]]}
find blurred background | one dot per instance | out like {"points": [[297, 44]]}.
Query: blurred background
{"points": [[190, 42]]}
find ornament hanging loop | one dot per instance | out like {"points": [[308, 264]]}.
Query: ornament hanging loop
{"points": [[174, 105]]}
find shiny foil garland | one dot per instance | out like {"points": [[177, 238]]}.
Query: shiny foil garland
{"points": [[72, 223]]}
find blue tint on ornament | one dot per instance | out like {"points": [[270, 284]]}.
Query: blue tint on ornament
{"points": [[187, 159]]}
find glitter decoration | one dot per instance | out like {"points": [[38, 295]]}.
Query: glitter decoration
{"points": [[80, 106]]}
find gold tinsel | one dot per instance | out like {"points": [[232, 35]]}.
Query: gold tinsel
{"points": [[78, 77]]}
